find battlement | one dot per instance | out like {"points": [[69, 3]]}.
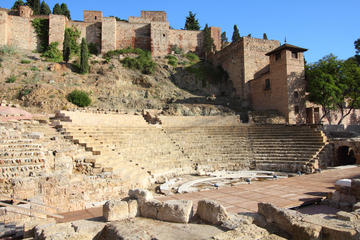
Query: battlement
{"points": [[93, 16]]}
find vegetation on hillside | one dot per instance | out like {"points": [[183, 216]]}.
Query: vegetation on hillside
{"points": [[41, 27], [53, 54], [79, 98], [143, 62]]}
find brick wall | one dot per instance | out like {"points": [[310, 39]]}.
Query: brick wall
{"points": [[187, 40], [108, 41], [57, 25], [154, 16]]}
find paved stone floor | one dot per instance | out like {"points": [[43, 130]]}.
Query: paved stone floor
{"points": [[286, 193]]}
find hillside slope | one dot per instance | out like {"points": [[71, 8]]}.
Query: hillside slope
{"points": [[42, 87]]}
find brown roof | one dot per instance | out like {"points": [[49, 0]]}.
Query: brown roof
{"points": [[286, 46]]}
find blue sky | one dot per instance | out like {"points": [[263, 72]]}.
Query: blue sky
{"points": [[322, 26]]}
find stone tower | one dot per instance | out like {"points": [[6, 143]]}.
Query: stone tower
{"points": [[286, 81]]}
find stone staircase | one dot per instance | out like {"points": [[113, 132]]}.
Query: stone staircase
{"points": [[127, 146], [21, 153], [286, 148]]}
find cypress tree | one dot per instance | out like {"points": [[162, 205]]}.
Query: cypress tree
{"points": [[265, 36], [57, 9], [191, 22], [65, 11], [236, 34], [17, 4], [84, 57], [66, 47], [36, 7], [30, 3], [44, 9], [208, 41]]}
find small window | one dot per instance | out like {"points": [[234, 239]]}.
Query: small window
{"points": [[95, 17], [267, 84], [164, 35], [296, 109], [296, 95], [294, 54], [277, 56]]}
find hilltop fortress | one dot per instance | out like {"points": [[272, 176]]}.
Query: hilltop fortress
{"points": [[264, 73]]}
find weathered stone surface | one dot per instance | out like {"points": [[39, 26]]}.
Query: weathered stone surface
{"points": [[289, 221], [147, 229], [212, 212], [54, 231], [141, 195], [356, 206], [332, 233], [345, 216], [150, 209], [134, 210], [179, 211], [115, 210]]}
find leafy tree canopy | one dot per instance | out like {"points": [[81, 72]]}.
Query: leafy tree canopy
{"points": [[335, 85], [57, 9], [357, 47], [65, 11], [191, 22]]}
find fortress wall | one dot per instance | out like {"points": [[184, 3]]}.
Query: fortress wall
{"points": [[135, 35], [108, 41], [187, 40], [159, 38], [216, 35], [231, 59], [21, 34], [3, 28], [154, 16], [57, 25], [255, 58], [90, 31]]}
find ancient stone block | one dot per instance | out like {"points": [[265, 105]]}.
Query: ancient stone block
{"points": [[134, 210], [345, 216], [339, 233], [178, 211], [212, 212], [115, 210], [150, 208], [289, 221], [140, 195]]}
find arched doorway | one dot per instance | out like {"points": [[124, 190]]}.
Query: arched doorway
{"points": [[345, 156]]}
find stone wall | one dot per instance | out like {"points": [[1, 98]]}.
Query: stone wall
{"points": [[57, 25], [21, 34], [159, 38], [3, 27], [243, 59], [93, 16], [187, 40], [216, 35], [108, 41]]}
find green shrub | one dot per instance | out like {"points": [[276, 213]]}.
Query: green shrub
{"points": [[25, 61], [118, 52], [7, 50], [79, 98], [93, 49], [11, 79], [192, 57], [41, 27], [207, 72], [143, 62], [172, 60], [176, 49], [53, 54], [34, 69], [24, 92]]}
